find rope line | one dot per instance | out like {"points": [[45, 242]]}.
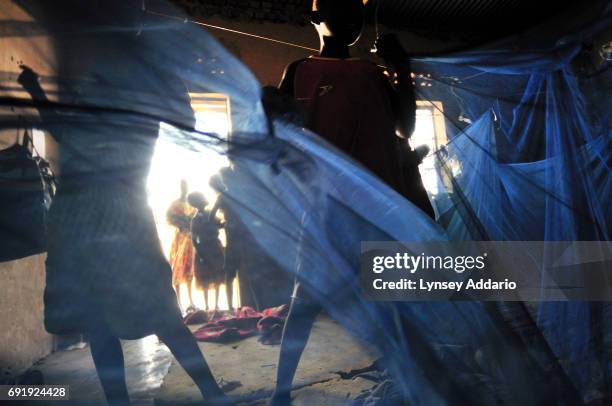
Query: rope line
{"points": [[217, 27]]}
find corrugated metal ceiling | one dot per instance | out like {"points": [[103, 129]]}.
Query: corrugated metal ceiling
{"points": [[492, 16]]}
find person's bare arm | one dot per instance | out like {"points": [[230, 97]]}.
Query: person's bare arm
{"points": [[213, 212], [29, 80], [193, 232], [392, 52]]}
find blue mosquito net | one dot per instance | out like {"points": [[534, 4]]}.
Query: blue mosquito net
{"points": [[527, 157]]}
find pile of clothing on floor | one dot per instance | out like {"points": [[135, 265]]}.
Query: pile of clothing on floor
{"points": [[222, 327]]}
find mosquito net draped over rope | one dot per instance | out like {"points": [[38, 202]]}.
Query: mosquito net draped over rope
{"points": [[527, 157]]}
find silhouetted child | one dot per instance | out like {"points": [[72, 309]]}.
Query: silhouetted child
{"points": [[352, 104], [233, 237], [208, 262]]}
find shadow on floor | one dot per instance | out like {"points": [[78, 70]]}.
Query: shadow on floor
{"points": [[246, 370]]}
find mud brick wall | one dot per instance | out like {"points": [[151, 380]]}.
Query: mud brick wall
{"points": [[288, 11]]}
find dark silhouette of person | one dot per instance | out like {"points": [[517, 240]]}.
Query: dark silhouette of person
{"points": [[233, 251], [351, 103], [209, 258], [260, 284], [106, 275]]}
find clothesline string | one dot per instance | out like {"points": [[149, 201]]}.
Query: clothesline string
{"points": [[217, 27]]}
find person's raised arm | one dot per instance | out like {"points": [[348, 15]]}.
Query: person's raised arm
{"points": [[213, 212], [29, 80]]}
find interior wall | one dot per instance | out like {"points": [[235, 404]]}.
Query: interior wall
{"points": [[268, 59], [23, 339], [35, 51]]}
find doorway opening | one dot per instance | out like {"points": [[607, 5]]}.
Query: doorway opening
{"points": [[172, 162]]}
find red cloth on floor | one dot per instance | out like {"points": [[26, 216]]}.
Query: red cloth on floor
{"points": [[245, 323], [271, 325], [197, 317]]}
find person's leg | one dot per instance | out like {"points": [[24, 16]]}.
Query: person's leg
{"points": [[108, 359], [190, 293], [184, 347], [205, 293], [229, 270], [177, 290], [301, 317], [229, 290], [217, 291]]}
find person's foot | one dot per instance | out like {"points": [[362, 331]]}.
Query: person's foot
{"points": [[191, 309], [280, 399]]}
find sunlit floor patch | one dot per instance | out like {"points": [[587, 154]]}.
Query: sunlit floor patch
{"points": [[247, 369], [146, 361], [198, 297]]}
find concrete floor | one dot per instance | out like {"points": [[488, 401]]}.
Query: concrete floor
{"points": [[146, 360], [246, 369], [249, 368]]}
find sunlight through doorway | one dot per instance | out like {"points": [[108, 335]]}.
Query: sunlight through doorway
{"points": [[172, 162]]}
